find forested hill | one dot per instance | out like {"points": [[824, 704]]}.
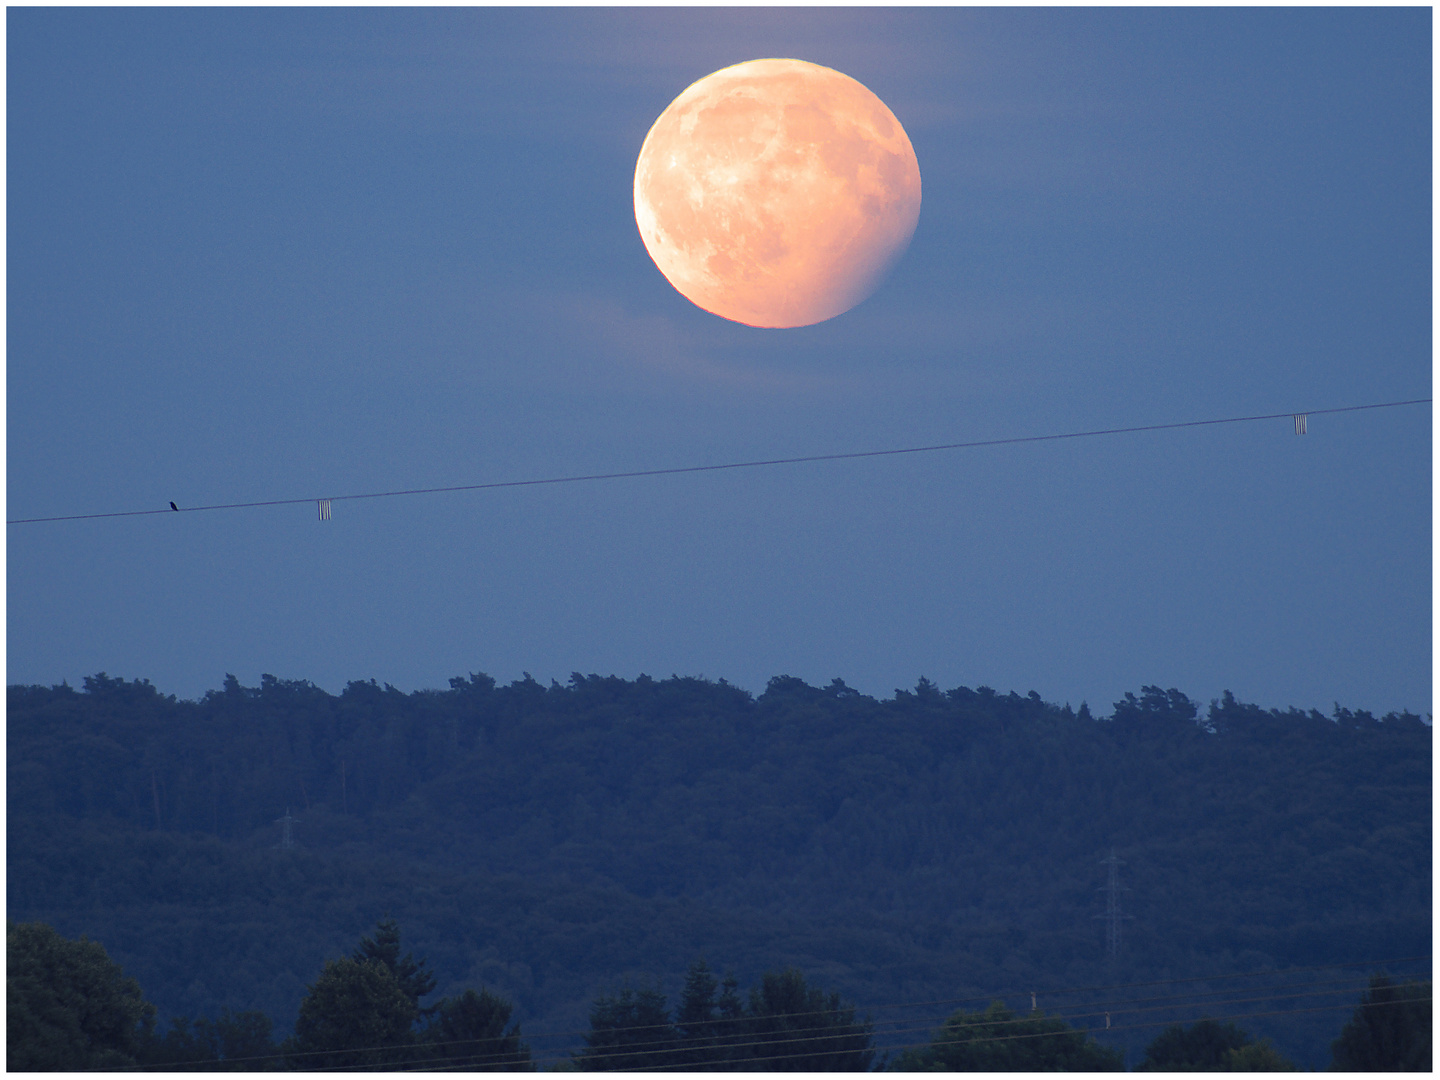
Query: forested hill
{"points": [[552, 842]]}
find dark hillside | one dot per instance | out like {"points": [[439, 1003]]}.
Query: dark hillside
{"points": [[549, 842]]}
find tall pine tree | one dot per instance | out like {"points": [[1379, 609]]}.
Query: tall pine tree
{"points": [[629, 1030], [1390, 1031], [410, 974]]}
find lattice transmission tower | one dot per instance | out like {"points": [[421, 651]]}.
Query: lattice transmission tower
{"points": [[287, 840], [1113, 916]]}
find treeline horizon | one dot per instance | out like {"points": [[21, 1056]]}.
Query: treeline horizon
{"points": [[355, 779], [542, 840], [230, 684]]}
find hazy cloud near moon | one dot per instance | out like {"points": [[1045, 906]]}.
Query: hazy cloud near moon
{"points": [[501, 340], [655, 344], [588, 342], [412, 74]]}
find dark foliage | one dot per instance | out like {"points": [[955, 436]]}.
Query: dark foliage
{"points": [[798, 1028], [710, 1021], [231, 1043], [68, 1005], [629, 1030], [1390, 1031], [997, 1040], [1155, 706], [410, 974], [355, 1016], [786, 1026], [469, 1033], [363, 1010], [1201, 1047], [549, 840]]}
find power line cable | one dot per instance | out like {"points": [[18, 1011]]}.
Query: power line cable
{"points": [[1114, 1005], [839, 1032], [716, 468], [1099, 1008], [1182, 1000], [1277, 990], [782, 1039], [1280, 991], [423, 1064], [1358, 964], [1053, 1034], [1051, 993], [1022, 1035], [1000, 995]]}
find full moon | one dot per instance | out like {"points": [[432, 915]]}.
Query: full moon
{"points": [[776, 193]]}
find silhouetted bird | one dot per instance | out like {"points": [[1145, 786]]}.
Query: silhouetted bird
{"points": [[174, 507]]}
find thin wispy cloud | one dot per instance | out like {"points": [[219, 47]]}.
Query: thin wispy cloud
{"points": [[655, 345]]}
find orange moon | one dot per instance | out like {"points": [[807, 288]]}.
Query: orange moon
{"points": [[776, 193]]}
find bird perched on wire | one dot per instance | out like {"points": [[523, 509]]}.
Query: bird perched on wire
{"points": [[173, 506]]}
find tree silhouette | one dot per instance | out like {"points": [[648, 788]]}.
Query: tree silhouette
{"points": [[629, 1030], [799, 1028], [469, 1033], [68, 1005], [409, 973], [1389, 1032], [997, 1040], [355, 1016]]}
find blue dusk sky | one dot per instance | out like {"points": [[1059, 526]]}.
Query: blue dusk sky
{"points": [[285, 254]]}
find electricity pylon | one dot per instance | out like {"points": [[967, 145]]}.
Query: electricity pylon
{"points": [[287, 841], [1113, 918]]}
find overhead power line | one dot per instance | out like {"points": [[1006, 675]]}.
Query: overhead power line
{"points": [[828, 1034], [1127, 1006], [323, 502], [1034, 1035], [1093, 1011], [435, 1064]]}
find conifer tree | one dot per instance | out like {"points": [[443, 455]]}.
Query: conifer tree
{"points": [[469, 1033], [410, 974], [1389, 1032], [794, 1027], [699, 1020], [629, 1030], [356, 1016], [234, 1042]]}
